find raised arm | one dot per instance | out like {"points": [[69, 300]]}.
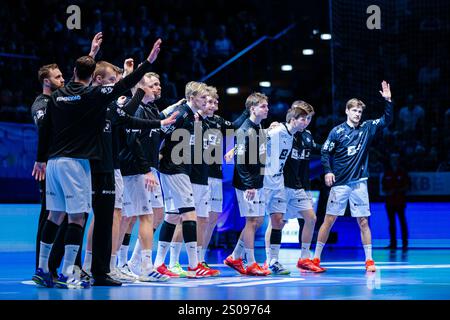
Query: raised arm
{"points": [[388, 115], [95, 45]]}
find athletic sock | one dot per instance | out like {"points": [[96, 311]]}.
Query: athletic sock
{"points": [[305, 251], [274, 253], [122, 255], [319, 248], [368, 251], [44, 254], [70, 254], [163, 247], [275, 244], [268, 254], [175, 249], [199, 253], [250, 254], [237, 252], [204, 254], [136, 255], [191, 250], [87, 261], [146, 261]]}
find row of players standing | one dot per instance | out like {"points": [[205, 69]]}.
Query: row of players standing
{"points": [[186, 192]]}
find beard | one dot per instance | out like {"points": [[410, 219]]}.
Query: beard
{"points": [[54, 86]]}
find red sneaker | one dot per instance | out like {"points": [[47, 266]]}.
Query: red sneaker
{"points": [[256, 270], [214, 273], [308, 265], [370, 266], [199, 272], [265, 266], [237, 264], [163, 270]]}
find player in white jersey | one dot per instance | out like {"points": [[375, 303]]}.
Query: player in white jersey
{"points": [[279, 145]]}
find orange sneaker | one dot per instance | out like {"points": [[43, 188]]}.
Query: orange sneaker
{"points": [[214, 273], [370, 266], [237, 264], [256, 270], [308, 265], [163, 270]]}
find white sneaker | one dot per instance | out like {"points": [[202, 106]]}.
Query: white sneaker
{"points": [[126, 274], [134, 268], [154, 276]]}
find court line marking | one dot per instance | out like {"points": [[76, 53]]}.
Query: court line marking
{"points": [[261, 282]]}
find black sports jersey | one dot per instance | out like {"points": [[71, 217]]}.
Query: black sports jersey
{"points": [[172, 138], [39, 108], [349, 148], [117, 117], [249, 156], [141, 150], [296, 170], [200, 171], [76, 115], [216, 133]]}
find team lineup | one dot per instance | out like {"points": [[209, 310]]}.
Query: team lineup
{"points": [[127, 161]]}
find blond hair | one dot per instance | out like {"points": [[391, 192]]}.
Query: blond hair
{"points": [[212, 91], [194, 88], [102, 66]]}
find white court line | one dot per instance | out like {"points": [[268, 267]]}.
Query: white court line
{"points": [[419, 266], [257, 283], [338, 263]]}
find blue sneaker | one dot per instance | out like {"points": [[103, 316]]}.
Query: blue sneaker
{"points": [[64, 282], [43, 279]]}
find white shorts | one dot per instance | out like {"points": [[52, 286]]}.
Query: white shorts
{"points": [[118, 202], [253, 208], [216, 194], [137, 200], [275, 200], [201, 199], [157, 197], [356, 193], [298, 201], [68, 185], [178, 192]]}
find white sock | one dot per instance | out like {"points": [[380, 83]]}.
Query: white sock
{"points": [[368, 251], [319, 248], [268, 254], [199, 254], [70, 254], [175, 250], [250, 253], [237, 253], [87, 261], [274, 252], [136, 256], [44, 253], [123, 255], [146, 261], [162, 252], [305, 250], [191, 249], [113, 262], [204, 254]]}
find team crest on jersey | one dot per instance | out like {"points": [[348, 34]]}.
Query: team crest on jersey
{"points": [[240, 150], [284, 154], [40, 114], [212, 139], [107, 126]]}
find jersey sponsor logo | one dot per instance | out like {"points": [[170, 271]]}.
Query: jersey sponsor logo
{"points": [[240, 150], [376, 122], [352, 150], [294, 154], [213, 139], [262, 149], [107, 127], [69, 98], [339, 130], [328, 145], [120, 112], [192, 139], [284, 154], [305, 154], [40, 114], [108, 192], [106, 90]]}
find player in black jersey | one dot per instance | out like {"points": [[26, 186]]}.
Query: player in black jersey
{"points": [[75, 119], [52, 79]]}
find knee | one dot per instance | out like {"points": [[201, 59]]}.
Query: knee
{"points": [[77, 219], [363, 224], [312, 219], [172, 218]]}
